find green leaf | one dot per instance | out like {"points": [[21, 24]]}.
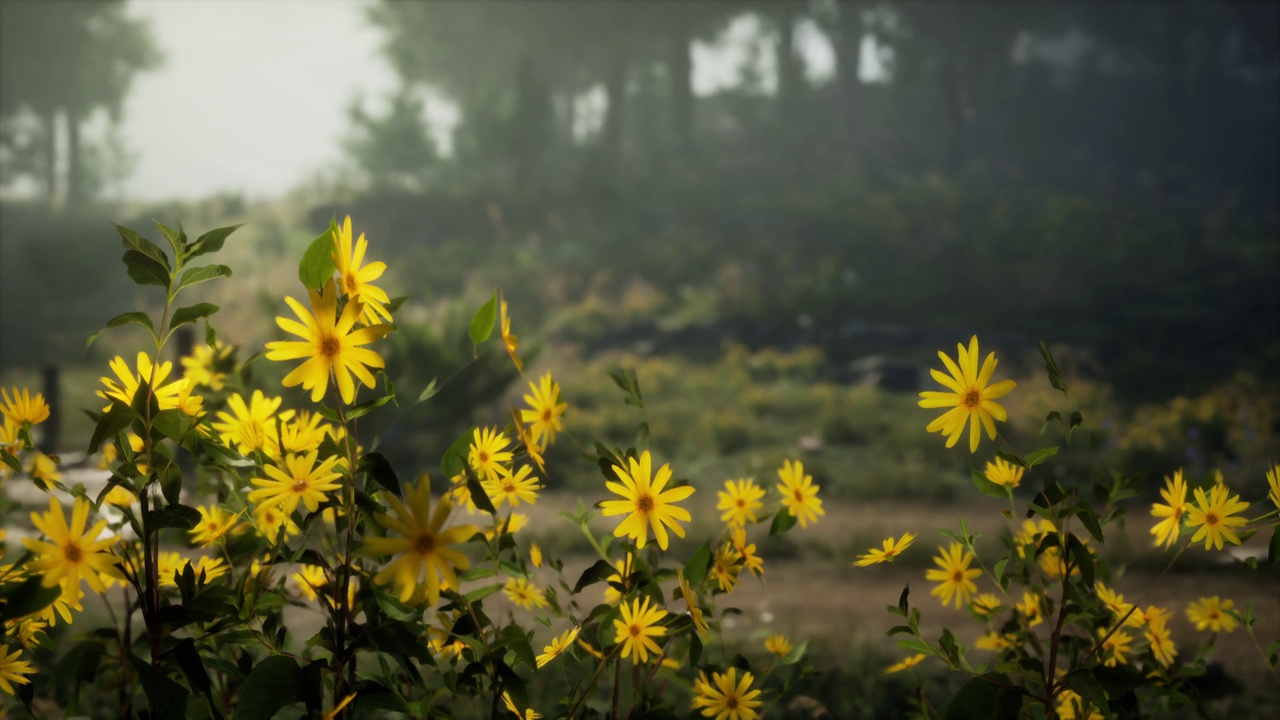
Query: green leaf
{"points": [[165, 696], [171, 516], [380, 470], [177, 238], [201, 274], [1084, 684], [193, 668], [481, 593], [271, 685], [1273, 548], [1010, 458], [139, 318], [455, 458], [133, 242], [27, 597], [782, 522], [9, 459], [986, 697], [1090, 520], [211, 241], [1038, 456], [191, 313], [1083, 557], [695, 569], [479, 495], [146, 270], [483, 321], [113, 422], [429, 391], [985, 486], [598, 572], [317, 265], [626, 379], [1051, 368], [374, 696]]}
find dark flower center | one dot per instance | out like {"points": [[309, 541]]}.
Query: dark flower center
{"points": [[644, 504], [329, 346], [72, 552], [1211, 518], [973, 398], [424, 543], [957, 576]]}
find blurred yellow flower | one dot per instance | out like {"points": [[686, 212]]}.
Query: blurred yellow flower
{"points": [[1161, 643], [905, 664], [1273, 481], [645, 502], [308, 580], [739, 501], [623, 565], [750, 560], [524, 593], [509, 341], [205, 365], [953, 575], [330, 345], [250, 426], [725, 565], [985, 604], [545, 411], [778, 645], [799, 494], [1116, 647], [558, 645], [1004, 473], [535, 555], [968, 396], [528, 714], [512, 488], [214, 524], [424, 557], [72, 552], [890, 550], [43, 468], [691, 602], [1175, 497], [23, 407], [303, 482], [13, 671], [1030, 607], [1211, 613]]}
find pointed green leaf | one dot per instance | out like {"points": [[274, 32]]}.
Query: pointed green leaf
{"points": [[985, 486], [317, 265], [136, 243], [145, 270], [203, 273], [191, 313], [1038, 456], [483, 321], [211, 241], [165, 696], [177, 238]]}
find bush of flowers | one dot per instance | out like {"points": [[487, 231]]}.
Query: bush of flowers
{"points": [[226, 511]]}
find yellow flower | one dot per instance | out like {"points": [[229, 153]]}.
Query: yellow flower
{"points": [[524, 593], [646, 504], [332, 713], [354, 281], [545, 411], [953, 574], [528, 714], [535, 555], [8, 441], [739, 501], [120, 496], [726, 697], [252, 426], [725, 566], [994, 642], [590, 650], [72, 553], [205, 365], [1161, 642], [1273, 481], [750, 560], [968, 396], [211, 567], [1113, 600], [1115, 648], [27, 629], [425, 561], [526, 439], [557, 646], [23, 407], [1153, 615], [304, 482], [985, 604], [778, 645], [13, 670], [44, 468], [308, 580], [1214, 516], [1071, 706], [799, 494], [1030, 608], [513, 524], [123, 388], [1210, 613], [270, 519], [691, 601], [905, 664], [611, 594], [300, 435], [892, 548], [637, 628], [488, 454], [214, 523], [513, 487], [509, 341], [1004, 473], [1175, 495], [330, 345]]}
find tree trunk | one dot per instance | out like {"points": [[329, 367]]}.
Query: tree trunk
{"points": [[680, 71]]}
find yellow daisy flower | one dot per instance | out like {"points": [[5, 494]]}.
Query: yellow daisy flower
{"points": [[891, 549], [905, 664], [303, 482], [1175, 497], [250, 426], [646, 504], [726, 697], [623, 565], [526, 439], [524, 593], [1116, 647], [545, 411], [1273, 481], [1004, 473], [528, 714], [985, 604], [513, 487], [1030, 607], [1072, 707], [993, 641], [425, 560], [1113, 600], [968, 396], [300, 435], [750, 560], [214, 524], [307, 581], [1161, 642], [126, 383], [725, 566], [487, 456], [1215, 516], [953, 575], [535, 555], [23, 407], [44, 468], [12, 670], [509, 341], [511, 525], [269, 519], [637, 629], [778, 645], [206, 365], [691, 601], [355, 281], [799, 494], [558, 645], [330, 345], [72, 552], [739, 501], [1210, 613]]}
